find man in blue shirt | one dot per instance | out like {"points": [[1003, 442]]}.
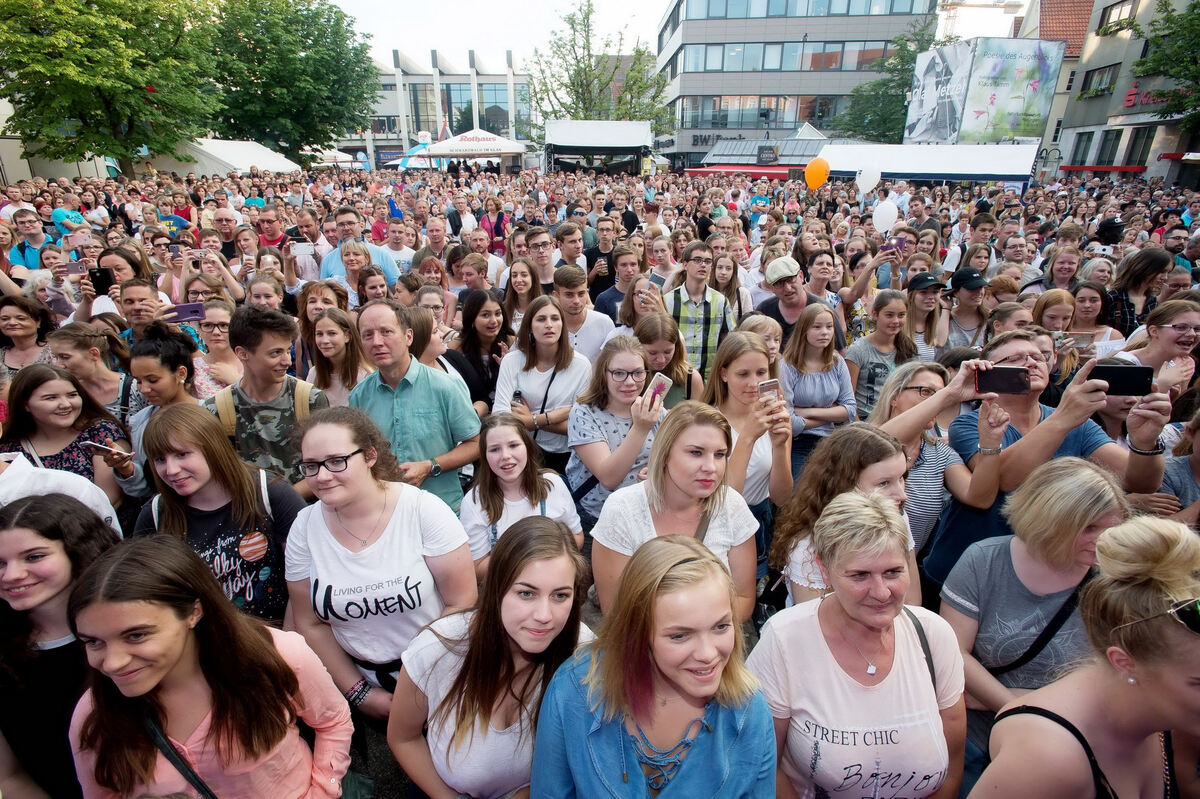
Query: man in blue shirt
{"points": [[350, 226], [67, 218], [31, 239], [425, 414]]}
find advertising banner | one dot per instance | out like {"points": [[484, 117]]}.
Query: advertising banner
{"points": [[1011, 90], [938, 93]]}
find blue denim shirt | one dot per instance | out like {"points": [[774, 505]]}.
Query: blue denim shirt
{"points": [[579, 754]]}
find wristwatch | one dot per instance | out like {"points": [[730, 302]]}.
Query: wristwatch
{"points": [[990, 450], [434, 469]]}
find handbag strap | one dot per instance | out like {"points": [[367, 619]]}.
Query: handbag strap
{"points": [[702, 529], [27, 445], [924, 639], [1048, 632], [173, 757]]}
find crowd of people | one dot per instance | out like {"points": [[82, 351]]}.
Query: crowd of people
{"points": [[463, 484]]}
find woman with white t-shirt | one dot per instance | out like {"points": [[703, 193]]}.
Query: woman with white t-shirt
{"points": [[862, 688], [760, 463], [372, 562], [858, 456], [509, 486], [685, 493], [474, 680], [540, 378]]}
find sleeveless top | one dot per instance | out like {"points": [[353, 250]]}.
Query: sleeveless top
{"points": [[1099, 781]]}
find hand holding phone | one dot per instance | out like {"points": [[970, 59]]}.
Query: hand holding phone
{"points": [[1003, 380], [660, 384], [770, 388], [187, 312]]}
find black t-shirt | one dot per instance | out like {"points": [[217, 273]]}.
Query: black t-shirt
{"points": [[630, 220], [602, 282], [228, 249], [770, 307], [249, 564], [35, 715]]}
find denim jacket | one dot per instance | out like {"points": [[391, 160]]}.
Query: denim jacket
{"points": [[579, 754]]}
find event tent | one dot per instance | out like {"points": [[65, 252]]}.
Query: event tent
{"points": [[591, 137], [335, 158], [222, 156], [934, 162], [475, 143]]}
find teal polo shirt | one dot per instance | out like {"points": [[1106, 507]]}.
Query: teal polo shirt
{"points": [[426, 415]]}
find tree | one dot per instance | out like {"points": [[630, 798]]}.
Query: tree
{"points": [[1172, 42], [293, 73], [879, 107], [106, 77], [573, 78]]}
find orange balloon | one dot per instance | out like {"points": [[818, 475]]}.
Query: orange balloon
{"points": [[816, 173]]}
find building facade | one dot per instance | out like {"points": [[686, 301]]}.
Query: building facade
{"points": [[442, 98], [759, 69], [1109, 126]]}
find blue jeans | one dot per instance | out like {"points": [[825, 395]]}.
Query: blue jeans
{"points": [[762, 536], [802, 447]]}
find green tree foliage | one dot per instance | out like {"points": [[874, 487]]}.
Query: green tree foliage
{"points": [[573, 77], [878, 108], [293, 73], [1174, 39], [106, 77]]}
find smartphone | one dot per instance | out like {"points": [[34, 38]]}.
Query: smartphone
{"points": [[770, 388], [94, 445], [77, 239], [516, 397], [102, 279], [1082, 339], [76, 268], [188, 311], [303, 248], [659, 384], [1130, 380], [175, 250], [197, 255], [1003, 380]]}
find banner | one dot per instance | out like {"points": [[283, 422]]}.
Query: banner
{"points": [[938, 93], [1012, 88]]}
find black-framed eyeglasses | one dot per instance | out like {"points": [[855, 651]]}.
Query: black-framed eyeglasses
{"points": [[925, 391], [201, 295], [621, 375], [337, 463], [1186, 612], [209, 327], [1020, 359]]}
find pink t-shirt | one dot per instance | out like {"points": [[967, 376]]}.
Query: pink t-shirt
{"points": [[846, 739], [290, 771]]}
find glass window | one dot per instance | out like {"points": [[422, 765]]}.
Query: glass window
{"points": [[1116, 12], [1110, 140], [791, 56], [750, 111], [797, 8], [839, 6], [1140, 141], [493, 108], [772, 55], [758, 8], [697, 9], [713, 59], [716, 9], [880, 7], [776, 8], [814, 55], [1083, 144], [787, 111], [833, 55], [693, 58], [737, 9], [902, 6], [818, 8], [860, 7], [851, 54], [752, 57], [871, 52], [733, 57]]}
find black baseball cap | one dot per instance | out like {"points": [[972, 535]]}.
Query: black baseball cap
{"points": [[967, 278], [922, 281]]}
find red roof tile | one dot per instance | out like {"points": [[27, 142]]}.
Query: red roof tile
{"points": [[1065, 19]]}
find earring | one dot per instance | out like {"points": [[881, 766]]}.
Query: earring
{"points": [[1132, 681]]}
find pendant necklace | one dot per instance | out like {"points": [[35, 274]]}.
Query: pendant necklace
{"points": [[871, 669], [363, 541]]}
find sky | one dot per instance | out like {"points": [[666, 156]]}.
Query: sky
{"points": [[414, 27]]}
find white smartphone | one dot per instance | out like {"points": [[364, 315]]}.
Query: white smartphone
{"points": [[768, 388], [660, 384], [94, 445], [303, 248]]}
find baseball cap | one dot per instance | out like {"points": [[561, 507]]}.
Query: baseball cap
{"points": [[781, 268], [967, 278], [922, 281]]}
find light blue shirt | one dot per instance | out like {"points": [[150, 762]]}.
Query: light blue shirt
{"points": [[332, 265], [425, 416]]}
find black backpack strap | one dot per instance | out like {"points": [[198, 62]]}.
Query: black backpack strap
{"points": [[924, 639], [172, 756]]}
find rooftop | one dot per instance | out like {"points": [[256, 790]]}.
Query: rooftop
{"points": [[1067, 20]]}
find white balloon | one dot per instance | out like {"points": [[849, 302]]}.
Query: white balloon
{"points": [[885, 215], [868, 178]]}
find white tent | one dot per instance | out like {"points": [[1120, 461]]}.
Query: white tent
{"points": [[222, 156], [335, 158], [598, 137], [999, 162], [475, 143]]}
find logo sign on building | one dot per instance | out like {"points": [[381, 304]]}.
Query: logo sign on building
{"points": [[767, 155], [1006, 87]]}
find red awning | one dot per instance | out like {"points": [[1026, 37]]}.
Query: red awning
{"points": [[1086, 168], [776, 171]]}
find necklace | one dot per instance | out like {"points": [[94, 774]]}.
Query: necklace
{"points": [[870, 666], [363, 541]]}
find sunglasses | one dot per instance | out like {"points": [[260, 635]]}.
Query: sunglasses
{"points": [[1186, 613]]}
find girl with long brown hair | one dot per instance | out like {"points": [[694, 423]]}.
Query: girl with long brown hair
{"points": [[339, 360], [178, 667], [90, 353], [234, 515], [477, 677]]}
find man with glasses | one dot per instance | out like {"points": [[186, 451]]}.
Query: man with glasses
{"points": [[1175, 239], [541, 251], [460, 218], [350, 227], [423, 413], [31, 238], [270, 228], [599, 259], [225, 222], [1038, 433], [702, 312]]}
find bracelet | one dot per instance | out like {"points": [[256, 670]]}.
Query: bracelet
{"points": [[358, 694], [990, 450], [1159, 448], [354, 688]]}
